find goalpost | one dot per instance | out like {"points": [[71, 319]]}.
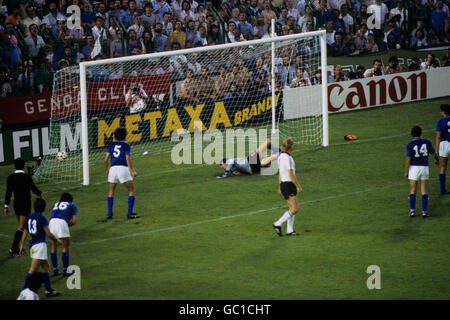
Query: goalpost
{"points": [[186, 91]]}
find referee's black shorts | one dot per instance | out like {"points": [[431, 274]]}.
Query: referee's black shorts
{"points": [[288, 189], [23, 209]]}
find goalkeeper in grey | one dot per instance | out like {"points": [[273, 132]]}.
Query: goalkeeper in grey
{"points": [[251, 164]]}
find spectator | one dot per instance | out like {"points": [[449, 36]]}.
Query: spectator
{"points": [[439, 18], [393, 66], [177, 64], [214, 36], [233, 92], [253, 9], [414, 64], [360, 70], [268, 13], [14, 17], [177, 6], [166, 24], [188, 90], [116, 12], [29, 20], [286, 72], [338, 47], [245, 27], [34, 41], [118, 46], [376, 69], [193, 64], [222, 82], [259, 77], [161, 41], [5, 83], [238, 37], [417, 12], [88, 16], [429, 63], [260, 29], [347, 19], [133, 41], [148, 42], [191, 33], [205, 86], [43, 77], [419, 39], [130, 14], [98, 28], [300, 80], [337, 22], [27, 78], [178, 35], [186, 13], [137, 27], [11, 53], [283, 17], [371, 46], [337, 75], [330, 32], [87, 49], [432, 38], [400, 10]]}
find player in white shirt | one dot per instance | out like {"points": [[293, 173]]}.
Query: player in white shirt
{"points": [[34, 284], [289, 187]]}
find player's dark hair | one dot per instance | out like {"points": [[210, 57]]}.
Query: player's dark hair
{"points": [[224, 160], [66, 197], [120, 133], [416, 131], [445, 108], [35, 281], [39, 205], [19, 164]]}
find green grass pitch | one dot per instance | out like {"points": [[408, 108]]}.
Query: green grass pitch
{"points": [[203, 238]]}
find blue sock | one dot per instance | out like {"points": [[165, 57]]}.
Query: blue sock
{"points": [[65, 260], [25, 285], [130, 204], [412, 202], [46, 279], [110, 206], [54, 259], [424, 202], [442, 181]]}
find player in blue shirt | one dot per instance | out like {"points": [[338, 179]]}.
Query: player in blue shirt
{"points": [[417, 152], [121, 171], [64, 215], [443, 144], [37, 226]]}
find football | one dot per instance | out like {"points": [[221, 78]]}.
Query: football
{"points": [[61, 155]]}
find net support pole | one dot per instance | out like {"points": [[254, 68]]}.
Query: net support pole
{"points": [[323, 58], [84, 125], [273, 75]]}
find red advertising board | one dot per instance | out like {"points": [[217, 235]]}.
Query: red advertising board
{"points": [[105, 94]]}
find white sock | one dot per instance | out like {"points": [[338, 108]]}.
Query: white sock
{"points": [[290, 224], [283, 218]]}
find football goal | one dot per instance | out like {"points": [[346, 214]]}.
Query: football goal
{"points": [[277, 83]]}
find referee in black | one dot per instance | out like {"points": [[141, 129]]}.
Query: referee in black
{"points": [[19, 183]]}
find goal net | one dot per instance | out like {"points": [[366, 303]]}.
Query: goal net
{"points": [[271, 83]]}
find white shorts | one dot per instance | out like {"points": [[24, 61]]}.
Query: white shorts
{"points": [[417, 173], [444, 149], [119, 174], [39, 251], [59, 228]]}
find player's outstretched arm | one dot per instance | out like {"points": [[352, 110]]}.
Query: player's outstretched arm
{"points": [[438, 139]]}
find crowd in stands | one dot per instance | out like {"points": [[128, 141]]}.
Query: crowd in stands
{"points": [[39, 37]]}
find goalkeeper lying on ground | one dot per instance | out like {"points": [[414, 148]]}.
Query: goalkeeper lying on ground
{"points": [[251, 164]]}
